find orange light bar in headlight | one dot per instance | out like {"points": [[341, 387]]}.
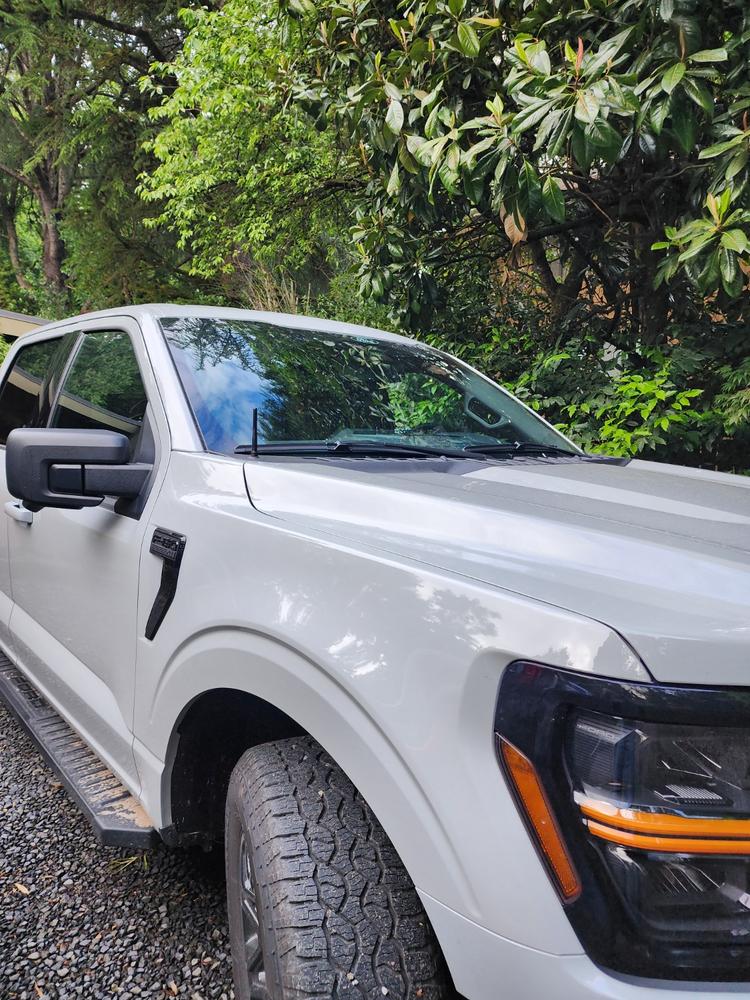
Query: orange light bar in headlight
{"points": [[665, 824], [670, 845], [666, 832], [534, 802]]}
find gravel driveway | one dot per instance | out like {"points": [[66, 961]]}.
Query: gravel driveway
{"points": [[80, 920]]}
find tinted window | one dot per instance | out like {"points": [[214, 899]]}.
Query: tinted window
{"points": [[21, 392], [318, 386], [103, 387]]}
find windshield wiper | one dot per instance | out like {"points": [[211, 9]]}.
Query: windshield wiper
{"points": [[521, 448], [375, 448]]}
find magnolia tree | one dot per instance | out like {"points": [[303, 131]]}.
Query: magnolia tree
{"points": [[603, 145]]}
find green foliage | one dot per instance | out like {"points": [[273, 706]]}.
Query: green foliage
{"points": [[239, 177], [579, 130], [72, 123], [558, 192], [633, 412], [733, 399], [683, 403], [418, 401], [713, 249]]}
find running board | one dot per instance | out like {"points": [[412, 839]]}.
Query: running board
{"points": [[117, 818]]}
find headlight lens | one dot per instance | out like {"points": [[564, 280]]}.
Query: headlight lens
{"points": [[667, 808], [648, 787], [681, 769]]}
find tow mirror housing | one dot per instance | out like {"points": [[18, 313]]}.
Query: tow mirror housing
{"points": [[56, 467]]}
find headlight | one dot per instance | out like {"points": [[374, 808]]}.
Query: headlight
{"points": [[648, 811], [663, 804]]}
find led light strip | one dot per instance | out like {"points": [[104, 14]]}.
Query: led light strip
{"points": [[673, 845], [665, 832]]}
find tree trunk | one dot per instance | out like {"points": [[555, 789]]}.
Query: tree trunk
{"points": [[9, 222], [53, 249], [561, 294]]}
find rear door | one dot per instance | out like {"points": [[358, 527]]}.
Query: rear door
{"points": [[23, 395], [74, 573]]}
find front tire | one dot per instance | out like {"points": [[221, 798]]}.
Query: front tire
{"points": [[320, 904]]}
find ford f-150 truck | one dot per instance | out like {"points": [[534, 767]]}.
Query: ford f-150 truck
{"points": [[467, 708]]}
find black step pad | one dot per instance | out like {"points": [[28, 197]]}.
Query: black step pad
{"points": [[118, 819]]}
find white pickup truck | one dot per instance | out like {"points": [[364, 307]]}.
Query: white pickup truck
{"points": [[468, 708]]}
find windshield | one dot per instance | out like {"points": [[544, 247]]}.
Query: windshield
{"points": [[317, 387]]}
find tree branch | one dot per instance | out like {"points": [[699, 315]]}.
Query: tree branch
{"points": [[16, 176], [135, 31]]}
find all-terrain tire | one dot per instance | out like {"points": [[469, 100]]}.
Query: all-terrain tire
{"points": [[339, 916]]}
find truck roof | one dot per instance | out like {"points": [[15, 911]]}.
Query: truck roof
{"points": [[161, 310]]}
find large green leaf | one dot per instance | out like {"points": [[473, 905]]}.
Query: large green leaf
{"points": [[720, 147], [709, 56], [605, 139], [553, 200], [735, 239], [532, 115], [684, 123], [699, 93], [672, 77], [468, 39], [394, 181], [587, 106], [394, 117], [737, 163], [731, 276], [666, 9]]}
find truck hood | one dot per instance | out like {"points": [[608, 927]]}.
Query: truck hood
{"points": [[659, 553]]}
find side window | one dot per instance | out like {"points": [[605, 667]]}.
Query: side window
{"points": [[20, 396], [103, 388]]}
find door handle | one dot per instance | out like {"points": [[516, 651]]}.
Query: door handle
{"points": [[16, 510]]}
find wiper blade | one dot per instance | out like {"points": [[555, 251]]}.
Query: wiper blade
{"points": [[522, 448], [374, 448]]}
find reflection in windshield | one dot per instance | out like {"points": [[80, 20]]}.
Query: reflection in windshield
{"points": [[318, 386]]}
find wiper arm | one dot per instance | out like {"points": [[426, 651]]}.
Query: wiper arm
{"points": [[316, 448], [521, 448]]}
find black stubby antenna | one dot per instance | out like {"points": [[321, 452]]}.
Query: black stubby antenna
{"points": [[254, 440]]}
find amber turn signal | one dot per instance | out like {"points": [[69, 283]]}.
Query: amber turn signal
{"points": [[531, 797]]}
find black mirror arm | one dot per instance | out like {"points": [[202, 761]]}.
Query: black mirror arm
{"points": [[94, 482]]}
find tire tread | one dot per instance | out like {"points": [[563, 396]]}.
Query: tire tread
{"points": [[347, 920]]}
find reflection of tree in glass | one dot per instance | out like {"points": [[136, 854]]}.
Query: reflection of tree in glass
{"points": [[420, 401], [316, 384], [35, 358], [105, 373]]}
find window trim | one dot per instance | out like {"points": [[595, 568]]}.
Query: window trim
{"points": [[52, 403], [16, 349], [129, 508], [73, 356], [183, 391]]}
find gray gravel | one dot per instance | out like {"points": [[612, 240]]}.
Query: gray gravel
{"points": [[80, 920]]}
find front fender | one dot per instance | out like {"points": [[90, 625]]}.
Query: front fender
{"points": [[393, 666]]}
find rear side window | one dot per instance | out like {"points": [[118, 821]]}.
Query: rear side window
{"points": [[103, 388], [20, 396]]}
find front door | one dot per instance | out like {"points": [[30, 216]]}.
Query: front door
{"points": [[74, 573]]}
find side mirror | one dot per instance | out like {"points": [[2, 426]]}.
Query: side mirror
{"points": [[51, 467]]}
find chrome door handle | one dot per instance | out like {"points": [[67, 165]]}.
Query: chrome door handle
{"points": [[16, 510]]}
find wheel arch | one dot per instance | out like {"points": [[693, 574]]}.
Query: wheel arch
{"points": [[259, 690]]}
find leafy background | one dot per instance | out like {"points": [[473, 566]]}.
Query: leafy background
{"points": [[558, 192]]}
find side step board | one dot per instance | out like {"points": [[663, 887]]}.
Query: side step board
{"points": [[118, 819]]}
